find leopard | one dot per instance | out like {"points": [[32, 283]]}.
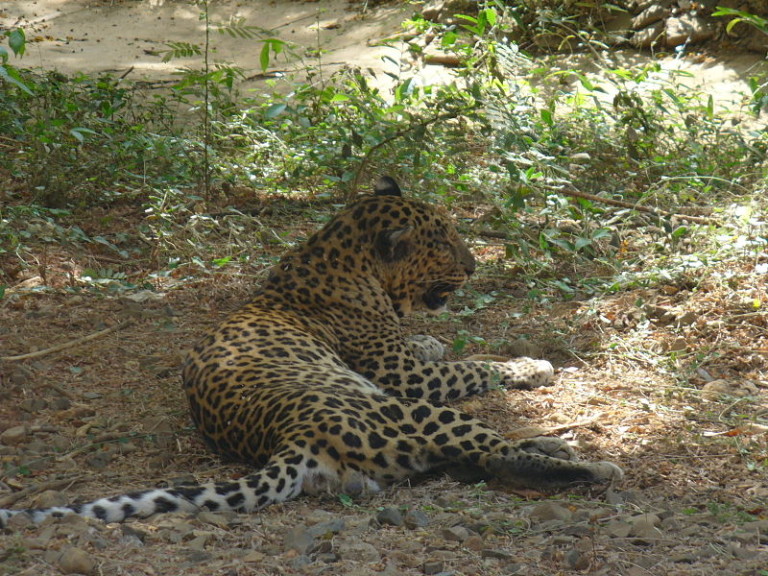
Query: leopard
{"points": [[314, 383]]}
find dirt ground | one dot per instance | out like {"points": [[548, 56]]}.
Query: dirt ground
{"points": [[669, 382]]}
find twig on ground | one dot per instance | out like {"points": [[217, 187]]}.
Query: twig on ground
{"points": [[66, 345], [658, 212], [11, 499]]}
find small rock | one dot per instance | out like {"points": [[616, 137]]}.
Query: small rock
{"points": [[358, 551], [575, 560], [390, 517], [50, 499], [100, 460], [455, 533], [327, 528], [322, 547], [648, 37], [215, 519], [580, 530], [742, 553], [415, 519], [687, 319], [200, 541], [474, 542], [75, 561], [677, 345], [432, 567], [299, 539], [132, 536], [618, 497], [649, 16], [300, 562], [19, 522], [60, 403], [644, 528], [717, 389], [254, 556], [33, 405], [618, 529], [642, 520], [14, 435], [497, 554], [197, 556], [328, 557], [550, 511], [687, 28], [684, 558], [670, 524]]}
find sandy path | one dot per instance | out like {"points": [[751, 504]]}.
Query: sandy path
{"points": [[115, 37]]}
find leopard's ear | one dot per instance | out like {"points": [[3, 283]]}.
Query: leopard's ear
{"points": [[386, 186], [394, 245]]}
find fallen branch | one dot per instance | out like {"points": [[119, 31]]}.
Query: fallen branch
{"points": [[66, 345], [11, 499], [658, 212]]}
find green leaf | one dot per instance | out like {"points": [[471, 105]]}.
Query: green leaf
{"points": [[582, 243], [11, 75], [17, 41], [449, 39], [679, 232], [264, 57], [219, 262], [346, 501], [274, 111], [490, 16], [79, 133]]}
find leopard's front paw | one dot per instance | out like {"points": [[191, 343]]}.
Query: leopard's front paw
{"points": [[426, 348], [547, 446], [525, 373]]}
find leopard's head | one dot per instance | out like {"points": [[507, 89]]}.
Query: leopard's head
{"points": [[420, 255]]}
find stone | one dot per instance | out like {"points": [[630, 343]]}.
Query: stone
{"points": [[432, 567], [75, 561], [645, 528], [455, 533], [214, 519], [445, 10], [650, 15], [648, 37], [497, 554], [717, 389], [550, 511], [299, 539], [415, 519], [326, 528], [575, 560], [358, 551], [14, 435], [474, 542], [390, 517], [618, 529], [50, 499], [687, 29]]}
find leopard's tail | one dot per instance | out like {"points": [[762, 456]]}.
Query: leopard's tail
{"points": [[281, 479]]}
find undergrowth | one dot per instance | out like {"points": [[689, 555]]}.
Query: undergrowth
{"points": [[534, 151]]}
